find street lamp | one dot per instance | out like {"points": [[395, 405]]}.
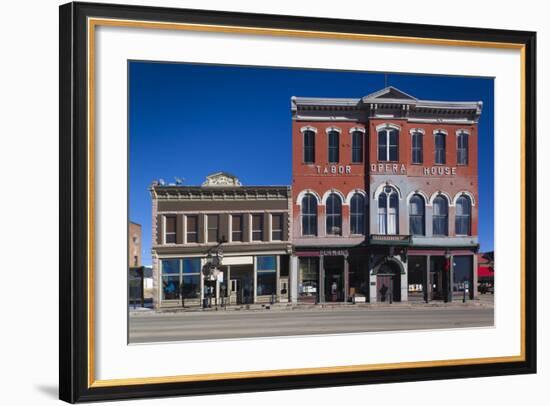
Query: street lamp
{"points": [[214, 258], [447, 269]]}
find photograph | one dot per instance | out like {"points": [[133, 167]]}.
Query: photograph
{"points": [[272, 201]]}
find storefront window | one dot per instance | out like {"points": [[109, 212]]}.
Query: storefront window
{"points": [[170, 266], [170, 287], [308, 277], [181, 278], [266, 263], [359, 276], [416, 276], [191, 287], [266, 275], [462, 273], [191, 265]]}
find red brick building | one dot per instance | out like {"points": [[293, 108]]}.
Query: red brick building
{"points": [[384, 198]]}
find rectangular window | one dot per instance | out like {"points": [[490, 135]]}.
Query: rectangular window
{"points": [[192, 231], [308, 278], [393, 145], [462, 149], [170, 279], [170, 230], [388, 144], [191, 282], [417, 148], [237, 227], [309, 147], [440, 148], [276, 227], [257, 227], [213, 227], [357, 147], [266, 267], [333, 147]]}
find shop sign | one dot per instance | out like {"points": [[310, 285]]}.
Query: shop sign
{"points": [[334, 253]]}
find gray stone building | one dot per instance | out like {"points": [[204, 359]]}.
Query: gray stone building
{"points": [[220, 243]]}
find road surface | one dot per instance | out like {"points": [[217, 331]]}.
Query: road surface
{"points": [[155, 327]]}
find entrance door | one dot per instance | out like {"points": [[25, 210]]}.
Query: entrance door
{"points": [[242, 284], [438, 278], [334, 279], [388, 283]]}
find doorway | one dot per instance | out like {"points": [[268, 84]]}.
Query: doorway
{"points": [[334, 279], [242, 284], [388, 282]]}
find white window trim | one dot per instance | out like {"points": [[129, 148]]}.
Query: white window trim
{"points": [[444, 132], [386, 127]]}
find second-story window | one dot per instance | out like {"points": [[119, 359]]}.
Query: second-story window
{"points": [[237, 227], [276, 227], [357, 214], [463, 216], [309, 215], [333, 146], [309, 147], [213, 227], [388, 144], [417, 147], [192, 231], [257, 227], [170, 230], [388, 209], [462, 148], [416, 215], [334, 214], [357, 147], [440, 222], [440, 147]]}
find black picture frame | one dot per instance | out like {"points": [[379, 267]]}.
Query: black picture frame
{"points": [[74, 200]]}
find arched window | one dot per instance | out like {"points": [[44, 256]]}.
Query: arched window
{"points": [[440, 147], [309, 215], [357, 214], [417, 147], [388, 212], [333, 146], [440, 216], [463, 215], [462, 148], [309, 147], [416, 215], [334, 214], [357, 146], [388, 144]]}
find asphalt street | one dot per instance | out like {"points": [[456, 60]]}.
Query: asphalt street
{"points": [[164, 327]]}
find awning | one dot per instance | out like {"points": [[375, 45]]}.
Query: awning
{"points": [[485, 271]]}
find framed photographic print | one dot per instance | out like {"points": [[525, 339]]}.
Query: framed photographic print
{"points": [[258, 202]]}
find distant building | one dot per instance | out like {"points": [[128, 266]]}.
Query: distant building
{"points": [[486, 271], [189, 222], [134, 245]]}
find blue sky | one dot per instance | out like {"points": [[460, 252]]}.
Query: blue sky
{"points": [[184, 118]]}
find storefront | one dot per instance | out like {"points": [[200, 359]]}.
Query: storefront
{"points": [[443, 275], [332, 276], [239, 280]]}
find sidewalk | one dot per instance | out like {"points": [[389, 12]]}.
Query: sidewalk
{"points": [[484, 302]]}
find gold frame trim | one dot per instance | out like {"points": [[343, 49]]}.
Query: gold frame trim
{"points": [[94, 22]]}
